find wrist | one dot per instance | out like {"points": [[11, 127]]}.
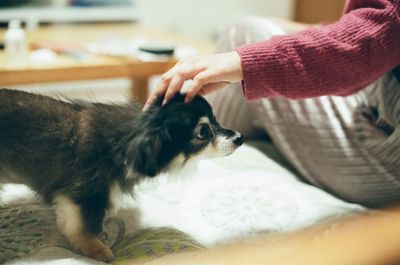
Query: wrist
{"points": [[237, 66]]}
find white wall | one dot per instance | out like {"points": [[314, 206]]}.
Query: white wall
{"points": [[204, 18]]}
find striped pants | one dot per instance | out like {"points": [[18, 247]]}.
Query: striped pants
{"points": [[348, 146]]}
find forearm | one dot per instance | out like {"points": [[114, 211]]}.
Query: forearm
{"points": [[336, 59], [372, 239]]}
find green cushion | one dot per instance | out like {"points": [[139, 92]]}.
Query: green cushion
{"points": [[147, 244], [28, 231]]}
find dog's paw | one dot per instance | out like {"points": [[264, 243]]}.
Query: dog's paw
{"points": [[98, 251]]}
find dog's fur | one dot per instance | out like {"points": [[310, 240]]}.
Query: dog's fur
{"points": [[75, 154]]}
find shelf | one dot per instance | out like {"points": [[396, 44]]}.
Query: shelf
{"points": [[37, 15]]}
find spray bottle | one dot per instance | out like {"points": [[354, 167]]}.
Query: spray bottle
{"points": [[15, 43]]}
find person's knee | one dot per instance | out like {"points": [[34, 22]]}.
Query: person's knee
{"points": [[245, 31]]}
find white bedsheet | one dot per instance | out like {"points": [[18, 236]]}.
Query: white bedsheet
{"points": [[236, 196]]}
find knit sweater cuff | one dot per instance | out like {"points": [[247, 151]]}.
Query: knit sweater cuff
{"points": [[253, 85]]}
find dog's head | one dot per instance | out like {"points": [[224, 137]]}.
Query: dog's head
{"points": [[174, 134]]}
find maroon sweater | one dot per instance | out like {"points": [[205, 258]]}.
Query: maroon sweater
{"points": [[337, 59]]}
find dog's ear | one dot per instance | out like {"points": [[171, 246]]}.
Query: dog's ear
{"points": [[143, 154], [179, 122]]}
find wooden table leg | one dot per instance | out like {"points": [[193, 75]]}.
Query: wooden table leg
{"points": [[139, 89]]}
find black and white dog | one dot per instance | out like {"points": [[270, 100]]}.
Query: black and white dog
{"points": [[77, 154]]}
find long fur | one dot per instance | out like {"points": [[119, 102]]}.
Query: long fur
{"points": [[73, 153]]}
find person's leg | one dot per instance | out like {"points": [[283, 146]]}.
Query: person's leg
{"points": [[341, 144], [229, 105]]}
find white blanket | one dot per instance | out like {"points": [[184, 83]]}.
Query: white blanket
{"points": [[235, 196]]}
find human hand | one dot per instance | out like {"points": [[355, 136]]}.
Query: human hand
{"points": [[208, 72]]}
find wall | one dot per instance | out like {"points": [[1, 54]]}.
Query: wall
{"points": [[203, 19]]}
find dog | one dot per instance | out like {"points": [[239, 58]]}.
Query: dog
{"points": [[78, 154]]}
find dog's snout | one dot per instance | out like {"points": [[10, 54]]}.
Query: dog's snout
{"points": [[238, 139]]}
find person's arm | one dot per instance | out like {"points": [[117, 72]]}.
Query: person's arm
{"points": [[372, 239], [336, 59]]}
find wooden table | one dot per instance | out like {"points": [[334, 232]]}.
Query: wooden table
{"points": [[99, 66]]}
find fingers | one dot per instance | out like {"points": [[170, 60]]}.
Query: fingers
{"points": [[172, 81], [160, 90], [202, 79], [173, 88], [208, 72], [199, 86], [178, 80]]}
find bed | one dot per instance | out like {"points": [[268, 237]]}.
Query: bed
{"points": [[211, 203]]}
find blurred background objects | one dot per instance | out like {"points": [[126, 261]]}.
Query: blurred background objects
{"points": [[198, 23], [201, 19]]}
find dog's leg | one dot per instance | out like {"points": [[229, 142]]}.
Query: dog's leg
{"points": [[71, 222]]}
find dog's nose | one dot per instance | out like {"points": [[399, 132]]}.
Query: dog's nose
{"points": [[238, 140]]}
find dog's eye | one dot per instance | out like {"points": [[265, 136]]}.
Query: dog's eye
{"points": [[204, 132]]}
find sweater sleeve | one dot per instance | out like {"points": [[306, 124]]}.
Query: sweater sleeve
{"points": [[337, 59]]}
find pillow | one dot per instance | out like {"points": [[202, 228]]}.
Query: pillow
{"points": [[28, 235], [24, 229], [147, 244]]}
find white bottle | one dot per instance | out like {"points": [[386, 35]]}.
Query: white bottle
{"points": [[15, 43]]}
